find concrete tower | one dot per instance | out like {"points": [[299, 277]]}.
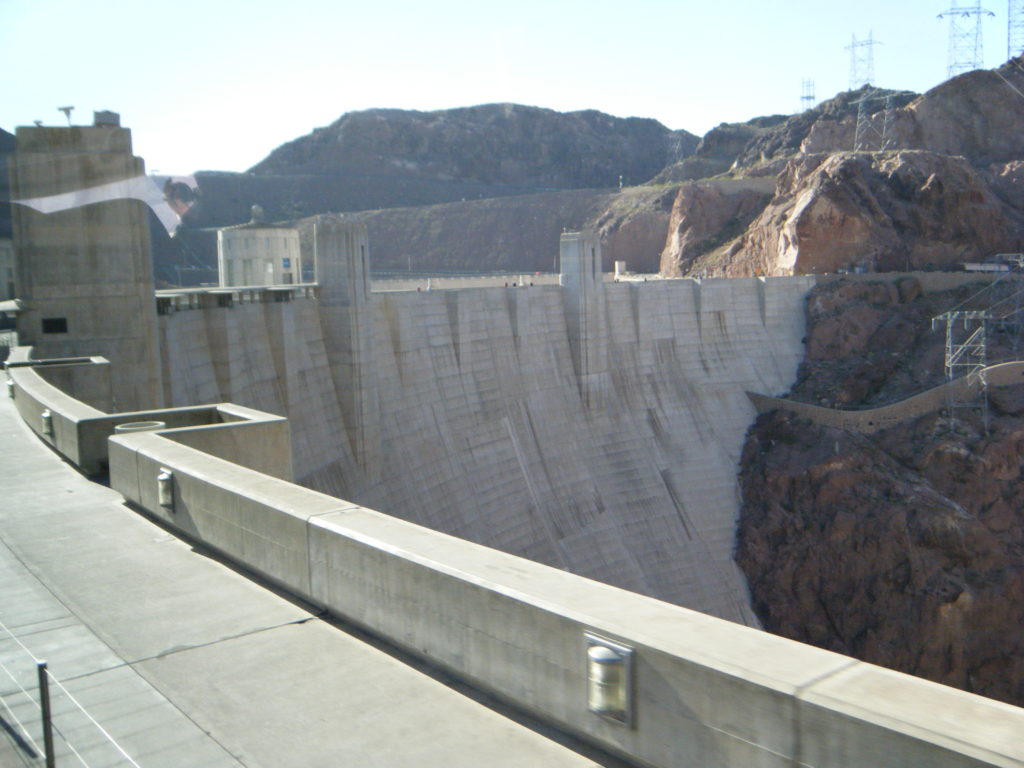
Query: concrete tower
{"points": [[342, 259], [583, 294], [85, 274]]}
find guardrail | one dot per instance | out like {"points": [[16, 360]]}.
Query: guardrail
{"points": [[183, 299], [699, 691], [35, 720]]}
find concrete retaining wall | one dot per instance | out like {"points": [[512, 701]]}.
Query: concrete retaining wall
{"points": [[33, 395], [80, 432], [708, 692]]}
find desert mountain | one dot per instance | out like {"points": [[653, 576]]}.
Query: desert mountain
{"points": [[756, 147], [957, 197], [486, 187], [392, 158], [499, 144], [386, 160], [878, 211]]}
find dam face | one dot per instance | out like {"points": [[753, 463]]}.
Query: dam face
{"points": [[595, 427]]}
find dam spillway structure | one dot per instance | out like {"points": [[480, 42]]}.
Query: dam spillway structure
{"points": [[593, 426]]}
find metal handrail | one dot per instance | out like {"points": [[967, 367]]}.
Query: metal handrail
{"points": [[43, 705]]}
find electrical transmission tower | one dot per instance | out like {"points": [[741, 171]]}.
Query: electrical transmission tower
{"points": [[869, 136], [862, 61], [966, 361], [965, 48], [1015, 34], [807, 99]]}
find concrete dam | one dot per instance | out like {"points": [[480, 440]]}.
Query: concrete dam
{"points": [[595, 427], [590, 426]]}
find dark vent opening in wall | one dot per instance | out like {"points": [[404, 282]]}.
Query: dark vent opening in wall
{"points": [[55, 325]]}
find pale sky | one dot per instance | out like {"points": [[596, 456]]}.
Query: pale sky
{"points": [[218, 84]]}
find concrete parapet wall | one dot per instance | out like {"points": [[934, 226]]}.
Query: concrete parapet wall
{"points": [[80, 432], [383, 285], [33, 395], [708, 692], [870, 420]]}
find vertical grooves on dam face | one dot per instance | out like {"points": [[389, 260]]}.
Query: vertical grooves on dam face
{"points": [[482, 433]]}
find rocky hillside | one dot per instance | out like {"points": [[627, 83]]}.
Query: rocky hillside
{"points": [[517, 234], [454, 165], [498, 144], [759, 146], [904, 548], [392, 158], [879, 211], [774, 195], [942, 184], [521, 234]]}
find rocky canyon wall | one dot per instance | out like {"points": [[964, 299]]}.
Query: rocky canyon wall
{"points": [[901, 547]]}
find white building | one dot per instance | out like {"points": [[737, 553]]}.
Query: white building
{"points": [[257, 253]]}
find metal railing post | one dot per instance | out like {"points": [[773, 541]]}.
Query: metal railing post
{"points": [[44, 702]]}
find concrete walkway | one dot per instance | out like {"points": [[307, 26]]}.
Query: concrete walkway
{"points": [[185, 662]]}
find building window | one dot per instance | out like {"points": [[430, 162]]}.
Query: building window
{"points": [[55, 325]]}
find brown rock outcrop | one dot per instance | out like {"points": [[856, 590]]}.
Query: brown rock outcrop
{"points": [[1007, 180], [903, 551], [904, 548], [882, 211], [828, 127], [977, 115], [707, 213]]}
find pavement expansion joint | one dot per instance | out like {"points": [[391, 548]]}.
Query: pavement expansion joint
{"points": [[227, 638]]}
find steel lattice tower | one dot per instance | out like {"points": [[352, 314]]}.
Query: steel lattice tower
{"points": [[965, 48], [862, 61], [869, 137], [1015, 34], [966, 342], [807, 99]]}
